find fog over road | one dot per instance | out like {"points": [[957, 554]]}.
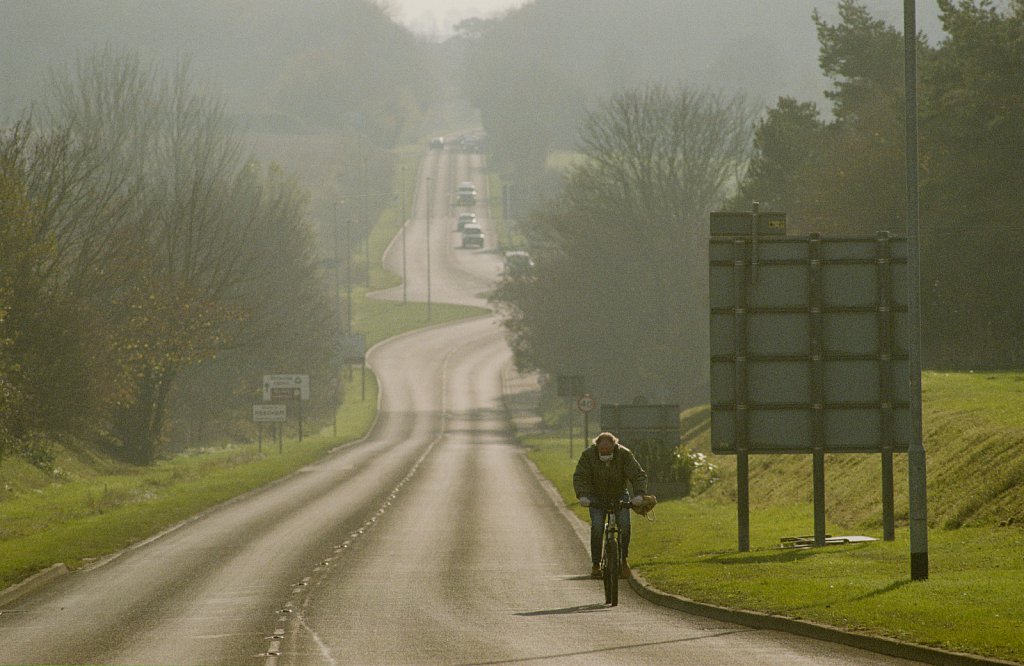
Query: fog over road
{"points": [[429, 542]]}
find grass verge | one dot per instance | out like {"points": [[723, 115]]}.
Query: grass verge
{"points": [[77, 520]]}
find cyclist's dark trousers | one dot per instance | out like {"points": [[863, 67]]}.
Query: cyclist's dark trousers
{"points": [[597, 532]]}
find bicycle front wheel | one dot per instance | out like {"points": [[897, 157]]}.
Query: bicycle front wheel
{"points": [[611, 572]]}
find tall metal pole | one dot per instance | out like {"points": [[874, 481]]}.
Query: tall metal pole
{"points": [[337, 303], [915, 454], [569, 405], [348, 269], [401, 192], [429, 193], [366, 221], [337, 259]]}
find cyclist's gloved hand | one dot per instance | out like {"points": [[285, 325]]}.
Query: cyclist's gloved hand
{"points": [[584, 501], [637, 500]]}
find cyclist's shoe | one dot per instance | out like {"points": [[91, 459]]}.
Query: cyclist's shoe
{"points": [[624, 570], [595, 571]]}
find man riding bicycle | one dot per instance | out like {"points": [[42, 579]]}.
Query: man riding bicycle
{"points": [[600, 481]]}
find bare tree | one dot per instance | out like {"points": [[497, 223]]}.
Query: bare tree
{"points": [[618, 290], [163, 227]]}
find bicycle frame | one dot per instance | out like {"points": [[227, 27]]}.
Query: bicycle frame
{"points": [[611, 553]]}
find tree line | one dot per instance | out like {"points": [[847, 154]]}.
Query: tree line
{"points": [[618, 290], [148, 265], [845, 174]]}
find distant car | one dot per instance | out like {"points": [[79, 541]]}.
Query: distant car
{"points": [[517, 261], [472, 236], [469, 143], [464, 219], [437, 143], [465, 194]]}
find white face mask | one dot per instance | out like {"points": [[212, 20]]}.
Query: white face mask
{"points": [[607, 458]]}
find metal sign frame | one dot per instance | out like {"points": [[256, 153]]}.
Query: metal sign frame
{"points": [[809, 345], [810, 352]]}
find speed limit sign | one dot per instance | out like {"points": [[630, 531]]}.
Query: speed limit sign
{"points": [[585, 403]]}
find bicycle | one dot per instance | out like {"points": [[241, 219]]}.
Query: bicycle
{"points": [[611, 561]]}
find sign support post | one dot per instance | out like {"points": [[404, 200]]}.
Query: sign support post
{"points": [[915, 453], [741, 417], [586, 404], [570, 387], [268, 413]]}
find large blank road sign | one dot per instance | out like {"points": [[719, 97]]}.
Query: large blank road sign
{"points": [[809, 344]]}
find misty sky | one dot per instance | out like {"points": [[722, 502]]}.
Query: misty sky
{"points": [[436, 17]]}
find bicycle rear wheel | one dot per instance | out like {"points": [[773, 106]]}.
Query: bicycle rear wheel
{"points": [[611, 571]]}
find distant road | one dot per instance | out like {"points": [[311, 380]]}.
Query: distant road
{"points": [[429, 542]]}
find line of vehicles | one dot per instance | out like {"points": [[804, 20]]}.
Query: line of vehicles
{"points": [[471, 233], [467, 143]]}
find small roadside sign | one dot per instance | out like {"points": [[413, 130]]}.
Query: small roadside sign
{"points": [[352, 348], [585, 403], [569, 386], [285, 387], [269, 413]]}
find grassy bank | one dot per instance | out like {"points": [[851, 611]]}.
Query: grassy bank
{"points": [[971, 601], [96, 510]]}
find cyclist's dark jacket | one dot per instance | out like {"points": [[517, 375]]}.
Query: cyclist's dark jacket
{"points": [[607, 481]]}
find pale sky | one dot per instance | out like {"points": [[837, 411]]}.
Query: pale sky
{"points": [[437, 17]]}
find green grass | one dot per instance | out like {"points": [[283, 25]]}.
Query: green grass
{"points": [[77, 519], [971, 601]]}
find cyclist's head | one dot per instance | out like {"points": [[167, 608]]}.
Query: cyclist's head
{"points": [[606, 443]]}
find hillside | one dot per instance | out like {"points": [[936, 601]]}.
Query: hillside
{"points": [[973, 428]]}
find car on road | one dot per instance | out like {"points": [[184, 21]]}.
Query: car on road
{"points": [[437, 143], [472, 236], [465, 194], [469, 143], [464, 219], [517, 261]]}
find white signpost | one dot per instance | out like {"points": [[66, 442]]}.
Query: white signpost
{"points": [[285, 387], [272, 414], [278, 388], [269, 413]]}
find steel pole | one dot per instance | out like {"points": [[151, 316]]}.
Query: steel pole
{"points": [[337, 259], [348, 272], [366, 221], [915, 454], [401, 192], [428, 247]]}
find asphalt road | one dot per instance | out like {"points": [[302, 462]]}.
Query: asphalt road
{"points": [[432, 541]]}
